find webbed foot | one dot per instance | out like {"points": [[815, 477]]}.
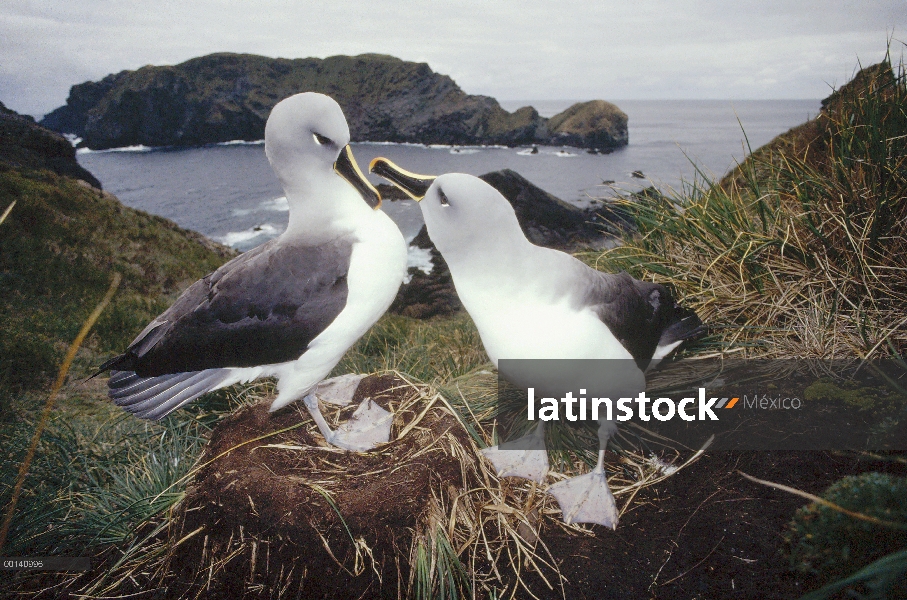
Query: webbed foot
{"points": [[587, 498], [339, 390], [369, 426], [529, 461]]}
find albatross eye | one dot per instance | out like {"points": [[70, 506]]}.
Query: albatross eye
{"points": [[443, 198], [321, 140]]}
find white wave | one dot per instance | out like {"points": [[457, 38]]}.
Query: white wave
{"points": [[432, 146], [418, 258], [137, 148], [527, 152], [238, 238], [73, 139], [564, 154], [465, 150], [411, 144], [241, 143], [278, 204]]}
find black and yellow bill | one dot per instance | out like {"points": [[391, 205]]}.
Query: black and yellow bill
{"points": [[347, 167], [414, 185]]}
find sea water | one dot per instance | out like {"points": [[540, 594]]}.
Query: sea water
{"points": [[228, 191]]}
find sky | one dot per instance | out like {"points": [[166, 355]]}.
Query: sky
{"points": [[511, 50]]}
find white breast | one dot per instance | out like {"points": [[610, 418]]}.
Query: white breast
{"points": [[377, 267]]}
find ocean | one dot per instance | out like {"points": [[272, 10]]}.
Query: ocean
{"points": [[229, 193]]}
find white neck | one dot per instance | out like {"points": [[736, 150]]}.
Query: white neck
{"points": [[321, 204]]}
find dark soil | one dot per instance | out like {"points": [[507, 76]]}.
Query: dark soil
{"points": [[269, 505], [705, 533]]}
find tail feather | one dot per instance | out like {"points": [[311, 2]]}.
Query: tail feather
{"points": [[198, 387], [119, 379], [156, 397], [147, 388]]}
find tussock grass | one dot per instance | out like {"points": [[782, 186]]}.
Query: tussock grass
{"points": [[802, 250], [431, 351], [58, 249]]}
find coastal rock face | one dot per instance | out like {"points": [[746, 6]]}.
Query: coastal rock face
{"points": [[223, 97], [24, 143], [596, 124]]}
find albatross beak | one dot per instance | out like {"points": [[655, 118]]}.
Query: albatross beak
{"points": [[414, 185], [347, 168]]}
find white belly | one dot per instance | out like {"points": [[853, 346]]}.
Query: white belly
{"points": [[377, 267], [531, 329]]}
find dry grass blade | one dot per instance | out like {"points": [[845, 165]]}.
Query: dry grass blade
{"points": [[49, 405], [6, 212], [824, 502]]}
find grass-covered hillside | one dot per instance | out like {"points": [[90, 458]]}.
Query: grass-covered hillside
{"points": [[801, 251], [59, 248]]}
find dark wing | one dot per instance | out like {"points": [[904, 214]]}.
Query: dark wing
{"points": [[263, 307], [641, 315]]}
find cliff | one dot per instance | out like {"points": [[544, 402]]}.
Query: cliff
{"points": [[223, 97], [25, 144]]}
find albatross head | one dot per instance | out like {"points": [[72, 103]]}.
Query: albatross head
{"points": [[465, 214], [307, 143], [465, 217]]}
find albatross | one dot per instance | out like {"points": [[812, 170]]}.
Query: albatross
{"points": [[530, 302], [291, 307]]}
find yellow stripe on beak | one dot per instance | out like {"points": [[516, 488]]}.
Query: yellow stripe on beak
{"points": [[347, 167], [415, 186]]}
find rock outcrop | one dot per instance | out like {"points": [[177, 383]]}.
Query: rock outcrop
{"points": [[25, 144], [596, 124], [223, 97]]}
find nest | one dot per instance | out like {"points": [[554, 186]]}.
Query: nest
{"points": [[274, 512]]}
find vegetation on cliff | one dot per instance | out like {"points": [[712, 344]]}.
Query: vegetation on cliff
{"points": [[58, 248], [223, 97], [800, 251]]}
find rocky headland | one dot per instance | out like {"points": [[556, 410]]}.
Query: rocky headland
{"points": [[224, 97], [25, 144]]}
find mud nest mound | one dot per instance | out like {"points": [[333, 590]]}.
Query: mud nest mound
{"points": [[277, 513]]}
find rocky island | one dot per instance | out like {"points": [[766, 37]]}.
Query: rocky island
{"points": [[223, 97]]}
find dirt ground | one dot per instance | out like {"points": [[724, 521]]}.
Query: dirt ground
{"points": [[266, 517], [705, 533]]}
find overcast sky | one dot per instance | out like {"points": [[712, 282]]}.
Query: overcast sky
{"points": [[526, 49]]}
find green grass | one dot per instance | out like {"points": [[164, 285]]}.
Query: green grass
{"points": [[100, 476], [58, 248], [802, 250], [432, 351]]}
